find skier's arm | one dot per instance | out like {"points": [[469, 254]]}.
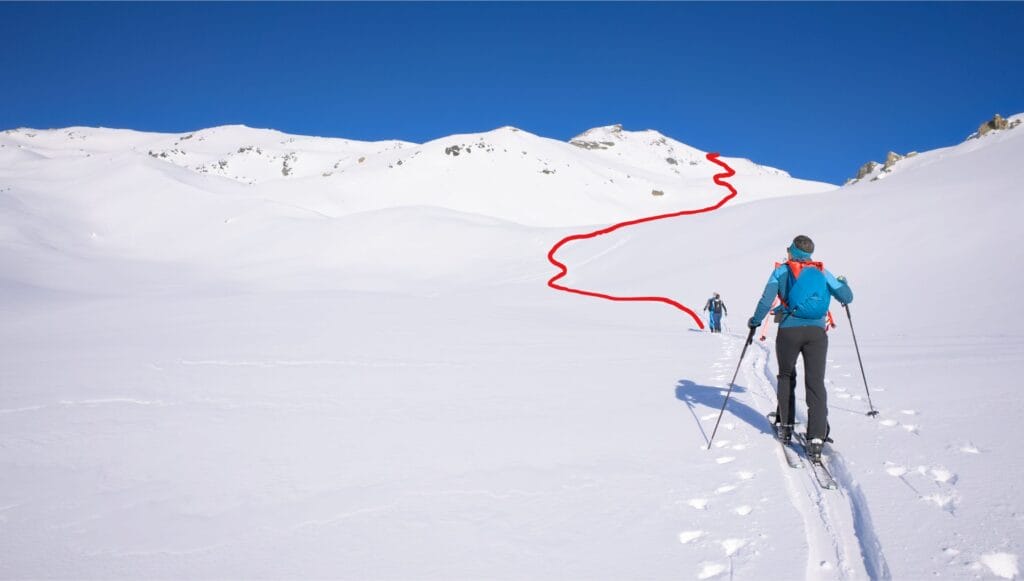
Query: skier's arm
{"points": [[725, 311], [707, 304], [838, 288], [771, 290]]}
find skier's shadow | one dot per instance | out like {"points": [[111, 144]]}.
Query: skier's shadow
{"points": [[693, 394]]}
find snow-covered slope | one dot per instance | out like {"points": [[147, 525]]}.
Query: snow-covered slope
{"points": [[235, 198], [930, 252], [996, 129], [943, 224], [506, 173], [203, 377], [237, 152]]}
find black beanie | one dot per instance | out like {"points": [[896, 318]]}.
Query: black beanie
{"points": [[804, 243]]}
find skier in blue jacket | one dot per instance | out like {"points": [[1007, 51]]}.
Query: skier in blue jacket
{"points": [[802, 335], [716, 310]]}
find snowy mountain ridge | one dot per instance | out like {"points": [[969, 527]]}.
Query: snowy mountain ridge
{"points": [[506, 173], [992, 129], [108, 194]]}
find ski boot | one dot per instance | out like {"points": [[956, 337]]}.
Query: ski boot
{"points": [[814, 450], [785, 432]]}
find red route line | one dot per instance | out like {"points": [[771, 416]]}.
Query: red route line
{"points": [[718, 178]]}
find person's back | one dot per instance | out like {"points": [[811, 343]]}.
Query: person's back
{"points": [[716, 310], [802, 316]]}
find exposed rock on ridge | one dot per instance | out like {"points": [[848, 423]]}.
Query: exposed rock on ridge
{"points": [[997, 123], [876, 171]]}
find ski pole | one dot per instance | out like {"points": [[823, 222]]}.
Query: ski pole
{"points": [[750, 339], [873, 411]]}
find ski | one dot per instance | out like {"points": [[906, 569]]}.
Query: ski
{"points": [[821, 473], [792, 458]]}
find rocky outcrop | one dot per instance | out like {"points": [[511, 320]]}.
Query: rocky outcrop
{"points": [[592, 144], [997, 123], [890, 160], [286, 164], [595, 144], [865, 170], [879, 170], [994, 124]]}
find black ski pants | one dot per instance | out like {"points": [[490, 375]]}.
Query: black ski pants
{"points": [[812, 343]]}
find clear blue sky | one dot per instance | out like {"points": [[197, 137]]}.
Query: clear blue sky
{"points": [[812, 88]]}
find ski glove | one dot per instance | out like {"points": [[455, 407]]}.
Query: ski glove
{"points": [[753, 323]]}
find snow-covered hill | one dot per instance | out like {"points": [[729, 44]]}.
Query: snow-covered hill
{"points": [[235, 198], [242, 373], [506, 173], [996, 128]]}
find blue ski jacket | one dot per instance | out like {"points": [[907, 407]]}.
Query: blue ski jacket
{"points": [[778, 286]]}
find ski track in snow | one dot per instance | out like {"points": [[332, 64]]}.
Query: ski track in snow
{"points": [[841, 539]]}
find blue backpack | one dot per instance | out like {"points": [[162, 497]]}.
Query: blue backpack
{"points": [[808, 296]]}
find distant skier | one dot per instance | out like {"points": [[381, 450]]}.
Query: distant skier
{"points": [[716, 310], [805, 290]]}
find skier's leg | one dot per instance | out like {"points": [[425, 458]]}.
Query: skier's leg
{"points": [[787, 349], [792, 398], [815, 351], [792, 393]]}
